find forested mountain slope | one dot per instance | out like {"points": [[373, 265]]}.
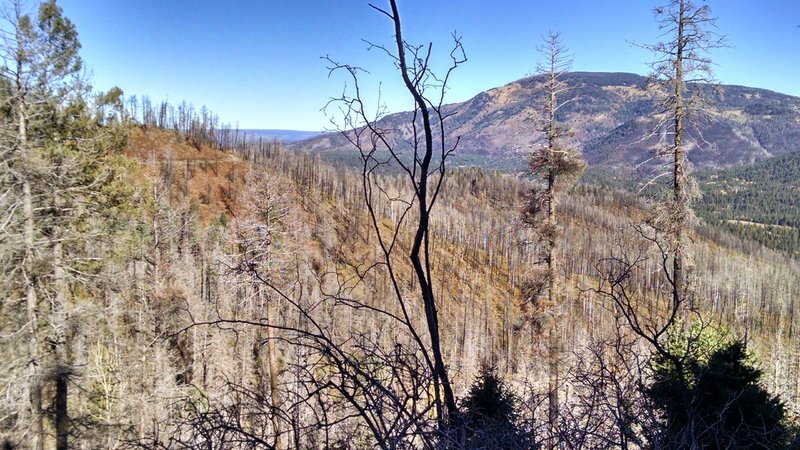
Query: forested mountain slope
{"points": [[171, 282], [759, 201], [215, 244], [612, 115]]}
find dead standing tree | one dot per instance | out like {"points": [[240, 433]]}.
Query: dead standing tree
{"points": [[391, 385], [557, 166], [256, 229], [681, 74], [423, 168]]}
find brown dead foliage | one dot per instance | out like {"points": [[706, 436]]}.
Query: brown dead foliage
{"points": [[211, 178]]}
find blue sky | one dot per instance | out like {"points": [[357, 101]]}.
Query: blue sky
{"points": [[258, 62]]}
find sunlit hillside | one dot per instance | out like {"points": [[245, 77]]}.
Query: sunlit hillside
{"points": [[570, 261]]}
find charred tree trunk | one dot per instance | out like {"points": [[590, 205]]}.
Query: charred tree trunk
{"points": [[679, 177], [61, 414], [420, 257]]}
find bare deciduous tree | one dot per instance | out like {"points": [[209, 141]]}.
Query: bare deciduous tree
{"points": [[423, 167], [365, 367]]}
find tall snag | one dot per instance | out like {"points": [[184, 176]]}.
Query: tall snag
{"points": [[680, 79], [557, 166], [681, 73]]}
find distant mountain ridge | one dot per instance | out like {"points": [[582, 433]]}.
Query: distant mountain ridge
{"points": [[284, 136], [610, 115]]}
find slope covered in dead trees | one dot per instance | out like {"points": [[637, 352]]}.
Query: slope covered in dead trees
{"points": [[171, 282], [479, 259], [178, 273]]}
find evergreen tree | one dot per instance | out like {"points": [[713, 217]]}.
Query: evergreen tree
{"points": [[727, 408], [60, 188], [490, 415]]}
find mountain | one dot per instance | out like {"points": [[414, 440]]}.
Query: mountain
{"points": [[285, 136], [611, 114]]}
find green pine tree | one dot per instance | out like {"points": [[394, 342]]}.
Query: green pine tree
{"points": [[490, 415], [718, 404]]}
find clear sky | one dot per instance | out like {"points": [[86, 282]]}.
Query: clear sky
{"points": [[257, 62]]}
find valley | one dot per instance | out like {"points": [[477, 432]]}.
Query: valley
{"points": [[572, 260]]}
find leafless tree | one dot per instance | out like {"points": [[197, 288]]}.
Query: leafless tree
{"points": [[680, 80], [608, 407], [424, 169], [385, 385]]}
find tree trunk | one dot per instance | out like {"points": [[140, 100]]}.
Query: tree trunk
{"points": [[552, 387], [552, 272], [34, 377], [274, 382], [61, 417], [448, 418], [679, 177], [553, 336], [62, 359]]}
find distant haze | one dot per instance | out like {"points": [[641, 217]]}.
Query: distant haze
{"points": [[283, 135]]}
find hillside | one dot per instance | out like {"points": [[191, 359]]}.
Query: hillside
{"points": [[189, 170], [759, 201], [479, 259], [610, 114], [239, 279], [170, 281]]}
